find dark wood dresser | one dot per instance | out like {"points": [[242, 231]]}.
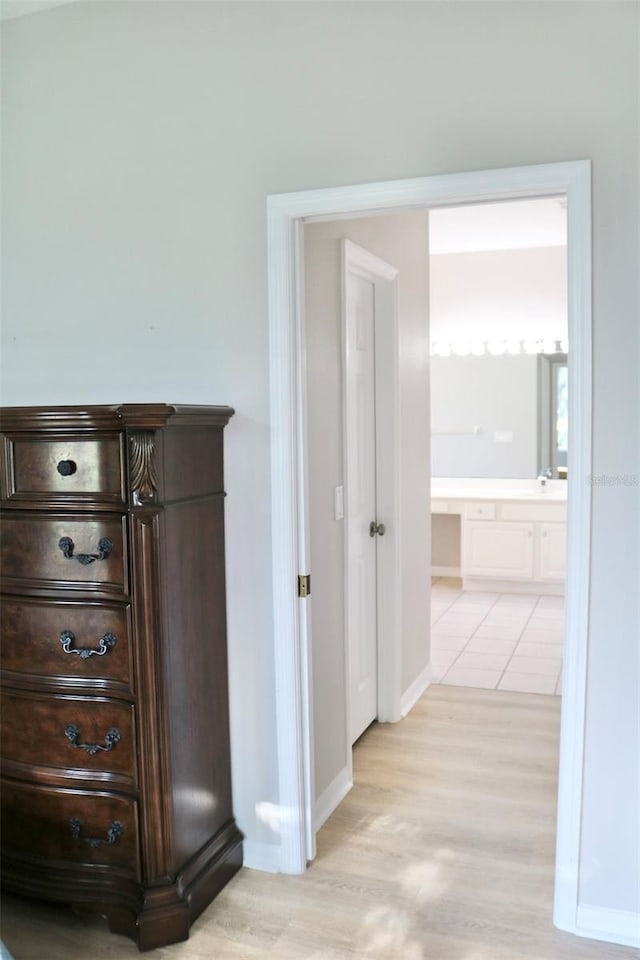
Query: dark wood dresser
{"points": [[116, 788]]}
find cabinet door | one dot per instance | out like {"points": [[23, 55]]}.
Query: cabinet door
{"points": [[552, 551], [497, 550]]}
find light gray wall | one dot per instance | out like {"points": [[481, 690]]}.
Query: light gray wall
{"points": [[472, 400], [139, 143], [401, 240]]}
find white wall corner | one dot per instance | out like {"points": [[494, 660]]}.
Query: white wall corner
{"points": [[262, 856], [612, 926], [413, 693], [332, 796]]}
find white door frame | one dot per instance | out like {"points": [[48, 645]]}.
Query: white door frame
{"points": [[356, 260], [285, 215]]}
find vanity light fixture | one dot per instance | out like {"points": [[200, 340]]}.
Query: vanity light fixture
{"points": [[497, 348]]}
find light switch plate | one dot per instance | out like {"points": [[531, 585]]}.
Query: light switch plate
{"points": [[338, 503], [503, 436]]}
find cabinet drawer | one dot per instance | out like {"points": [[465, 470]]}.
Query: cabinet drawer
{"points": [[49, 824], [532, 512], [64, 468], [82, 642], [480, 511], [32, 551], [78, 733]]}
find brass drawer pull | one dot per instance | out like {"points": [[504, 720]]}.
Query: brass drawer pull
{"points": [[106, 643], [114, 831], [105, 547], [112, 737]]}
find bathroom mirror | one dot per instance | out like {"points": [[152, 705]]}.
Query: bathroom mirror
{"points": [[499, 416]]}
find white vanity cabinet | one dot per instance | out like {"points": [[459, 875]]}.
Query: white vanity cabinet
{"points": [[513, 545], [552, 551], [496, 550]]}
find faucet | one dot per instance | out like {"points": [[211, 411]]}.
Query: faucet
{"points": [[545, 475]]}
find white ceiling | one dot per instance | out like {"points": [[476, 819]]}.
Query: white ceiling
{"points": [[510, 225]]}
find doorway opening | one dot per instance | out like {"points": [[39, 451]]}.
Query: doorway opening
{"points": [[286, 214], [499, 442]]}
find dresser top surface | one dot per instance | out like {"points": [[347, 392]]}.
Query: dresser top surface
{"points": [[146, 416]]}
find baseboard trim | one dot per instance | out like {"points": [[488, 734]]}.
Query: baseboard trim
{"points": [[547, 588], [611, 926], [445, 571], [332, 796], [262, 856], [413, 693]]}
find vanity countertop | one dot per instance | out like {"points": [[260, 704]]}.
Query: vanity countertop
{"points": [[523, 490], [479, 494]]}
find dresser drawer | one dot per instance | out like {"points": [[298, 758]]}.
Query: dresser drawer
{"points": [[49, 824], [78, 733], [82, 642], [64, 468], [64, 551]]}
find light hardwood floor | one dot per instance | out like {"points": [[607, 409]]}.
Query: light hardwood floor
{"points": [[442, 851]]}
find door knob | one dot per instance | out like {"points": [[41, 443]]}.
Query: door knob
{"points": [[378, 528]]}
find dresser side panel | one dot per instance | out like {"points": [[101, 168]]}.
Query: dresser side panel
{"points": [[192, 466], [196, 672]]}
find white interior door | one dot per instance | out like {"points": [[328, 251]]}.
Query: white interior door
{"points": [[361, 502]]}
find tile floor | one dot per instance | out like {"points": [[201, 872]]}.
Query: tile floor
{"points": [[497, 641]]}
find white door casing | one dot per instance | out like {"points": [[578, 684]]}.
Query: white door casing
{"points": [[285, 214], [372, 632]]}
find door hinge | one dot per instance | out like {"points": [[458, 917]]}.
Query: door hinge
{"points": [[304, 584]]}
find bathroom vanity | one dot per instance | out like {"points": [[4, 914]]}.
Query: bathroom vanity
{"points": [[512, 534]]}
